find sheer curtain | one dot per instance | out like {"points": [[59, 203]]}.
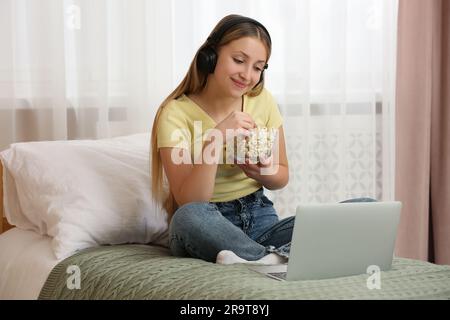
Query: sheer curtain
{"points": [[96, 68], [82, 69]]}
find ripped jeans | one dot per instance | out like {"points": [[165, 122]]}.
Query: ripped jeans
{"points": [[248, 226]]}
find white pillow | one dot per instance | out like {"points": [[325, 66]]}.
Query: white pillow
{"points": [[83, 193]]}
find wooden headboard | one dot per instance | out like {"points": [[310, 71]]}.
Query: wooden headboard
{"points": [[4, 225]]}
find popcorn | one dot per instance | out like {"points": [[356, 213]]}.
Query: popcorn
{"points": [[256, 146]]}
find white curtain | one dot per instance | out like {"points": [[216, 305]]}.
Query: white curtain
{"points": [[99, 68]]}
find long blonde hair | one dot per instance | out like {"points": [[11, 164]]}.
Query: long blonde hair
{"points": [[192, 83]]}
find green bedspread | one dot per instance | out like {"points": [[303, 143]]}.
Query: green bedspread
{"points": [[149, 272]]}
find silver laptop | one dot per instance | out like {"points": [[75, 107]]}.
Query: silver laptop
{"points": [[339, 239]]}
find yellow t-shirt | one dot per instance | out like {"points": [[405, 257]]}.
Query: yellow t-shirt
{"points": [[176, 129]]}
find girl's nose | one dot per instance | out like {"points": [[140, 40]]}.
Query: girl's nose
{"points": [[246, 73]]}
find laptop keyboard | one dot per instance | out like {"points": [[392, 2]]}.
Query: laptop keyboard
{"points": [[280, 275]]}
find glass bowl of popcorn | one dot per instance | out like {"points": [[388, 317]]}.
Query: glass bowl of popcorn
{"points": [[256, 146]]}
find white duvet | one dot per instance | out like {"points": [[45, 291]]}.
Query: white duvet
{"points": [[26, 259]]}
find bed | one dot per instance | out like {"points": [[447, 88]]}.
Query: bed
{"points": [[37, 262]]}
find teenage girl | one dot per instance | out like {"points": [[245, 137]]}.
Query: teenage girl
{"points": [[218, 211]]}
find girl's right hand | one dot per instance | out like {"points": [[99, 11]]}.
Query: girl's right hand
{"points": [[239, 122]]}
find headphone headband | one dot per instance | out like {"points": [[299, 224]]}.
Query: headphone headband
{"points": [[217, 36]]}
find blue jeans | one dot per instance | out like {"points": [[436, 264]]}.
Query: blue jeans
{"points": [[248, 226]]}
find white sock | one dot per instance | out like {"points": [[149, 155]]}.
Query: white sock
{"points": [[272, 258], [229, 257]]}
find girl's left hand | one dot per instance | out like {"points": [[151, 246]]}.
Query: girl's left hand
{"points": [[254, 170]]}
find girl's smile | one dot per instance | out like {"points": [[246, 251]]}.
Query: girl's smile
{"points": [[239, 84]]}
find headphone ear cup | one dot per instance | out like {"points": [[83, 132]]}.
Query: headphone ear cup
{"points": [[206, 60]]}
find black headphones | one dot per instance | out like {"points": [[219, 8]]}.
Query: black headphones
{"points": [[207, 56]]}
